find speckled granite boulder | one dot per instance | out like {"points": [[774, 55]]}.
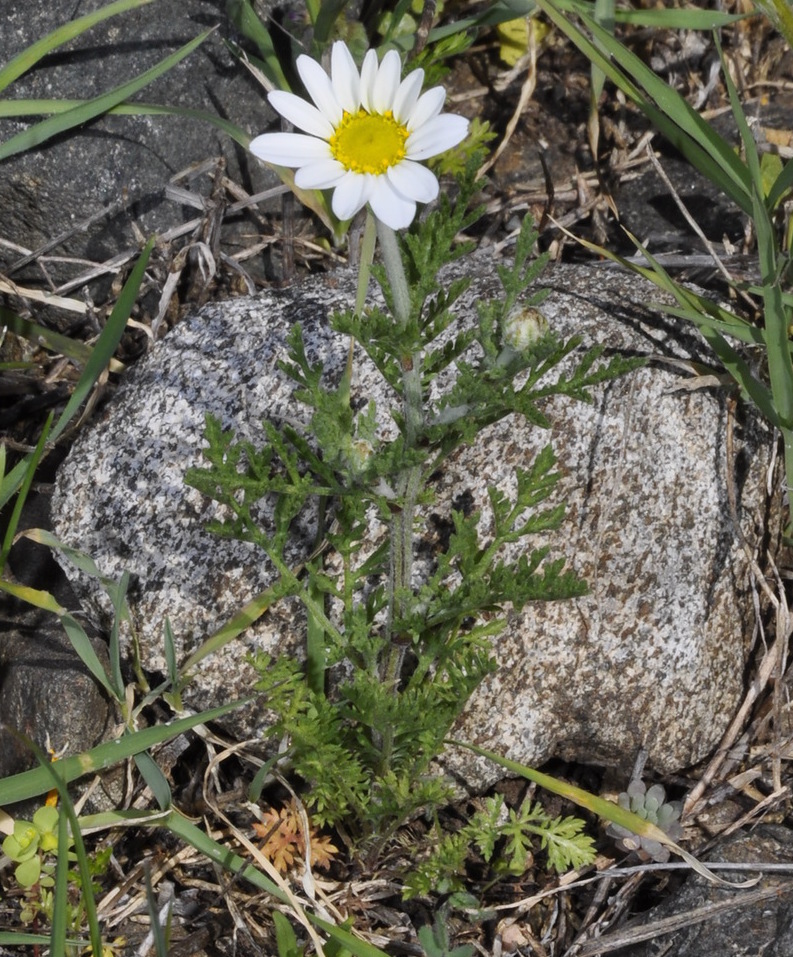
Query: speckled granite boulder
{"points": [[654, 656]]}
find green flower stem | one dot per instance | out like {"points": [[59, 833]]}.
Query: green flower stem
{"points": [[364, 272], [316, 658], [409, 482]]}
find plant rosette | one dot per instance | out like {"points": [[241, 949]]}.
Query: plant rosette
{"points": [[28, 841], [364, 136]]}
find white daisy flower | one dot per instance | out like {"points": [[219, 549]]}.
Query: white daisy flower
{"points": [[365, 136]]}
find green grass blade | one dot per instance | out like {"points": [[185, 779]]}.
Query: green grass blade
{"points": [[152, 774], [202, 116], [100, 358], [14, 108], [113, 683], [73, 349], [250, 26], [675, 18], [218, 854], [158, 934], [85, 650], [79, 559], [31, 55], [500, 12], [348, 941], [17, 939], [170, 652], [693, 307], [33, 596], [666, 109], [701, 144], [61, 122], [751, 335], [699, 312], [58, 928], [737, 366], [75, 632], [24, 488], [604, 16], [30, 784], [776, 316], [781, 186], [118, 596], [83, 866], [245, 617], [329, 12]]}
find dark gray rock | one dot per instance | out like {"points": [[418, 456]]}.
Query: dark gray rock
{"points": [[655, 654], [46, 692], [745, 927], [49, 190]]}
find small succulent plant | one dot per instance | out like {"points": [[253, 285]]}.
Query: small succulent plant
{"points": [[29, 843], [652, 806]]}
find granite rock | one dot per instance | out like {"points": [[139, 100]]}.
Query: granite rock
{"points": [[654, 656]]}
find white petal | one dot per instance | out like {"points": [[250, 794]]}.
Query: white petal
{"points": [[319, 87], [387, 82], [322, 174], [407, 94], [368, 79], [289, 149], [390, 206], [351, 194], [344, 77], [437, 136], [413, 181], [429, 104], [304, 116]]}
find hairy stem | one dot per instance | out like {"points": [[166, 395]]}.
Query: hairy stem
{"points": [[409, 481]]}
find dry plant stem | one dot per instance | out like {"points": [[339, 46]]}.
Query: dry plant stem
{"points": [[408, 483], [668, 925], [768, 668], [526, 92], [691, 221]]}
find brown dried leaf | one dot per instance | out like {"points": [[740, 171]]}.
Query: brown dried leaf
{"points": [[283, 840], [322, 851]]}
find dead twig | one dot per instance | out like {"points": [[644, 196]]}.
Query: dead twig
{"points": [[668, 925], [526, 93]]}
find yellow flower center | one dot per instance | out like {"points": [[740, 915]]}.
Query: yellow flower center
{"points": [[369, 142]]}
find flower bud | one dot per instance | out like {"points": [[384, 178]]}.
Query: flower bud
{"points": [[523, 327]]}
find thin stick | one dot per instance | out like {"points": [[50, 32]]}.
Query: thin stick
{"points": [[526, 92], [693, 223]]}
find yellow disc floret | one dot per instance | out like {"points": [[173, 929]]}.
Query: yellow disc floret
{"points": [[369, 142]]}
